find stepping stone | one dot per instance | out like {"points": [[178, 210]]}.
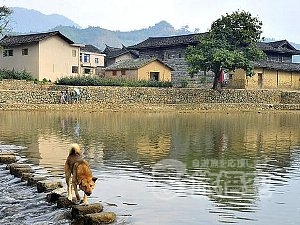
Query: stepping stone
{"points": [[64, 202], [7, 158], [54, 195], [48, 185], [17, 169], [18, 172], [81, 210], [100, 218], [33, 180], [25, 176]]}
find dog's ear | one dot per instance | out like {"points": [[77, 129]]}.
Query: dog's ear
{"points": [[94, 179]]}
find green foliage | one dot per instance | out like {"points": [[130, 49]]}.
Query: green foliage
{"points": [[4, 17], [238, 29], [100, 81], [230, 44], [184, 83], [12, 74]]}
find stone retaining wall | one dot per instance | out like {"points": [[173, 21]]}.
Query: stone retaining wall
{"points": [[22, 92]]}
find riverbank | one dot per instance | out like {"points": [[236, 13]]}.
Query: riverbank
{"points": [[28, 96], [183, 108]]}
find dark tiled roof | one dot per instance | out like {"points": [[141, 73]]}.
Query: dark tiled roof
{"points": [[277, 44], [132, 64], [278, 47], [193, 39], [17, 40], [109, 49], [294, 67], [112, 52], [158, 42], [90, 48]]}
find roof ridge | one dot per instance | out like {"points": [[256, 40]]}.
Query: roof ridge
{"points": [[14, 40], [32, 34], [175, 36]]}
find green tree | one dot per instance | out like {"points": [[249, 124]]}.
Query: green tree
{"points": [[230, 44], [4, 18]]}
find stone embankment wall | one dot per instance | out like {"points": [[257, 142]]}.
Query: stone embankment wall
{"points": [[21, 93]]}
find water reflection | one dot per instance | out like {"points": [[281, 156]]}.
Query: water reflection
{"points": [[230, 161]]}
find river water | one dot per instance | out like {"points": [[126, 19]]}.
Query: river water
{"points": [[161, 168]]}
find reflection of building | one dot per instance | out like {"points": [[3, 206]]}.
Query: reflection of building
{"points": [[53, 153], [153, 149]]}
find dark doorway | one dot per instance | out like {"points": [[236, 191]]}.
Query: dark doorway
{"points": [[154, 76], [260, 80]]}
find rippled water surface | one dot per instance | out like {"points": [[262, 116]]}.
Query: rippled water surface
{"points": [[161, 168]]}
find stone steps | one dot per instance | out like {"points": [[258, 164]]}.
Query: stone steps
{"points": [[81, 215]]}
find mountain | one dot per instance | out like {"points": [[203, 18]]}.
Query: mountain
{"points": [[27, 20], [30, 21], [101, 37]]}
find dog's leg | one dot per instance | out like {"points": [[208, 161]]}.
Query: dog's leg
{"points": [[68, 181], [70, 190], [76, 190], [85, 199]]}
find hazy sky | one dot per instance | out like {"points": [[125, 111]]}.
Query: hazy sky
{"points": [[280, 17]]}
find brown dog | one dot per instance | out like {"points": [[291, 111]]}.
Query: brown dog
{"points": [[81, 172]]}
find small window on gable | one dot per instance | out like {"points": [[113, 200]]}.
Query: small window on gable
{"points": [[179, 56], [74, 53], [24, 51]]}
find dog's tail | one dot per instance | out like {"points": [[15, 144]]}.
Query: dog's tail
{"points": [[75, 149]]}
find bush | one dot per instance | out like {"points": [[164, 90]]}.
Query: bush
{"points": [[16, 75], [100, 81], [184, 83]]}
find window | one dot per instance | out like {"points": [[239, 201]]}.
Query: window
{"points": [[154, 76], [123, 72], [114, 73], [179, 56], [74, 53], [8, 52], [74, 69], [87, 70], [25, 51], [96, 60], [86, 58]]}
